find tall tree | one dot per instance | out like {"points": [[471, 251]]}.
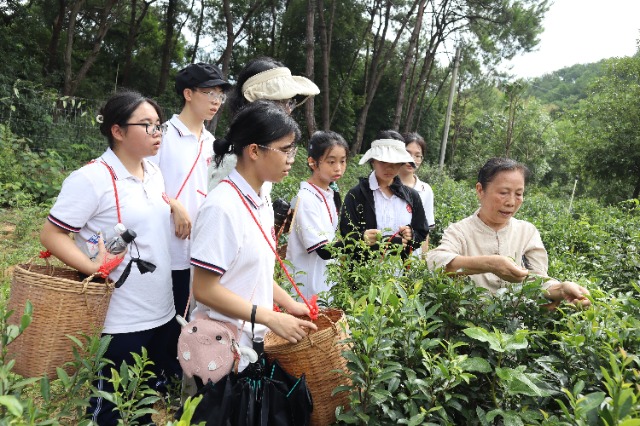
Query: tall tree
{"points": [[103, 17], [310, 45], [381, 51], [135, 22]]}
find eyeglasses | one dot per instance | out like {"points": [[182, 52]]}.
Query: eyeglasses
{"points": [[290, 153], [214, 95], [417, 157], [151, 129]]}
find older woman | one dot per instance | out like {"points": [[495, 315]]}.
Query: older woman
{"points": [[485, 244]]}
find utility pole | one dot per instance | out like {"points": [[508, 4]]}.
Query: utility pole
{"points": [[447, 119]]}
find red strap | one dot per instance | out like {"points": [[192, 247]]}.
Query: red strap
{"points": [[44, 254], [313, 305], [190, 171], [325, 201], [109, 265], [115, 188]]}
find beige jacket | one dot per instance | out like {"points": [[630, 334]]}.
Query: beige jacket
{"points": [[471, 237]]}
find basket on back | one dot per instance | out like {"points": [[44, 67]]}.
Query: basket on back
{"points": [[63, 304], [317, 356]]}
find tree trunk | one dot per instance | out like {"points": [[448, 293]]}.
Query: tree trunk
{"points": [[105, 21], [310, 47], [325, 49], [56, 30], [423, 79], [380, 57], [167, 48], [199, 25], [134, 29], [408, 60]]}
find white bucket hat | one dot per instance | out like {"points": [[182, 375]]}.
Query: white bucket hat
{"points": [[388, 151], [277, 84]]}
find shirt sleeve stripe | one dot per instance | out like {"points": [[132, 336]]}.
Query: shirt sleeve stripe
{"points": [[63, 225], [317, 246], [207, 266]]}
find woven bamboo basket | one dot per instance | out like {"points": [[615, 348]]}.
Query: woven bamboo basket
{"points": [[317, 357], [63, 304]]}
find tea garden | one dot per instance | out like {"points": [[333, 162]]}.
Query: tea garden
{"points": [[425, 348]]}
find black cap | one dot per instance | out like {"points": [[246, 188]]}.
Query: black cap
{"points": [[200, 75], [128, 235]]}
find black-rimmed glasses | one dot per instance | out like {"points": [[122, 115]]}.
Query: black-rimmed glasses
{"points": [[151, 129]]}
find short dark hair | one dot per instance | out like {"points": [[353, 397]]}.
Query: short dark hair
{"points": [[260, 122], [119, 108], [390, 134], [321, 141], [257, 65], [496, 165], [414, 137]]}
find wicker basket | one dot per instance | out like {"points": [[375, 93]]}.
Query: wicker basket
{"points": [[317, 357], [63, 304]]}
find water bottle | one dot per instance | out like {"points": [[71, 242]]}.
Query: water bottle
{"points": [[91, 245], [119, 243]]}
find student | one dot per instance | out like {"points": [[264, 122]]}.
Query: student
{"points": [[417, 147], [184, 157], [121, 186], [380, 205], [482, 245], [316, 212], [268, 79], [233, 238]]}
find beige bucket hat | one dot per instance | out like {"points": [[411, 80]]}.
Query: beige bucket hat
{"points": [[388, 151], [277, 84]]}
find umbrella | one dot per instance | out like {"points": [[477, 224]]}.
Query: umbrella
{"points": [[263, 394]]}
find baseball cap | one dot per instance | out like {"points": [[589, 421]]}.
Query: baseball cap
{"points": [[200, 75]]}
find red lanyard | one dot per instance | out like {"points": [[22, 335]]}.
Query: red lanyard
{"points": [[190, 171], [115, 188], [313, 308], [319, 191]]}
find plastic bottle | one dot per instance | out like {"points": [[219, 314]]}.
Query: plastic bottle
{"points": [[119, 243], [91, 248]]}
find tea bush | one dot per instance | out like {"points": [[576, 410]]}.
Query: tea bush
{"points": [[427, 348]]}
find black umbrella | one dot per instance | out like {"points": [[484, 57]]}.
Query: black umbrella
{"points": [[262, 395]]}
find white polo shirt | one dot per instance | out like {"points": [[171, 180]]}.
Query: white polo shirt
{"points": [[426, 195], [86, 205], [227, 241], [315, 224], [391, 212], [177, 157]]}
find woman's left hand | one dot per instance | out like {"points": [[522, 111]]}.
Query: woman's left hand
{"points": [[406, 233]]}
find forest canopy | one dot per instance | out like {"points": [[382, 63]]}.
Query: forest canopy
{"points": [[379, 65]]}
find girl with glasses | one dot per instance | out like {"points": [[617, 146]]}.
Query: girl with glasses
{"points": [[417, 147], [122, 186], [233, 237]]}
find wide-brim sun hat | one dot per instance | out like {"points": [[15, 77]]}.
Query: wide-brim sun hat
{"points": [[388, 151], [277, 84]]}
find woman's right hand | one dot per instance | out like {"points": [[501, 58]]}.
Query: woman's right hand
{"points": [[111, 261], [507, 269], [371, 236], [289, 327]]}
